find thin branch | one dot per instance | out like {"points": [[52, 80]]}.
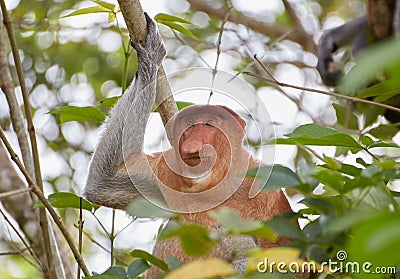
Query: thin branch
{"points": [[269, 30], [265, 68], [13, 193], [38, 192], [219, 41], [80, 229], [124, 228], [298, 25], [336, 95], [51, 272], [102, 247], [11, 253], [112, 237], [7, 86], [20, 237], [186, 43]]}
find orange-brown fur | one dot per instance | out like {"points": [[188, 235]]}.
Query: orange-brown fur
{"points": [[262, 207]]}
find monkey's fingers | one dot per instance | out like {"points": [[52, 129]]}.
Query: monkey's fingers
{"points": [[328, 70], [149, 21]]}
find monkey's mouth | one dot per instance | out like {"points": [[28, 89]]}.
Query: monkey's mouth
{"points": [[194, 160]]}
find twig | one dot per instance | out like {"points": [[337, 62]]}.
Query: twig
{"points": [[38, 192], [51, 272], [336, 95], [112, 237], [20, 237], [265, 68], [126, 226], [10, 253], [186, 43], [7, 85], [269, 30], [219, 41], [13, 193], [80, 229], [309, 41], [102, 247]]}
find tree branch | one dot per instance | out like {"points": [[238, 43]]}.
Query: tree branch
{"points": [[272, 31], [53, 213], [309, 44], [136, 24], [7, 86]]}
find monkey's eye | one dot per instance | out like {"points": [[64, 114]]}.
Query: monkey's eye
{"points": [[190, 124], [209, 122]]}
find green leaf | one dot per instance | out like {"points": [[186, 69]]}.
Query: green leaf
{"points": [[388, 87], [274, 177], [88, 10], [349, 169], [71, 113], [231, 220], [111, 17], [366, 140], [108, 102], [351, 218], [385, 131], [143, 208], [383, 144], [150, 258], [333, 179], [361, 161], [312, 134], [114, 272], [305, 171], [137, 267], [377, 241], [173, 262], [346, 117], [331, 163], [181, 105], [195, 239], [166, 17], [178, 28], [286, 225], [312, 131], [369, 143], [373, 61], [109, 6], [371, 114], [68, 200]]}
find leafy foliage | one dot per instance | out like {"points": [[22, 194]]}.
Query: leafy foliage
{"points": [[69, 200], [70, 113]]}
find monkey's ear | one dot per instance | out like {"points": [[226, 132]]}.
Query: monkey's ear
{"points": [[242, 123]]}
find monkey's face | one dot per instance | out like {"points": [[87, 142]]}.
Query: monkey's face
{"points": [[207, 135], [199, 142]]}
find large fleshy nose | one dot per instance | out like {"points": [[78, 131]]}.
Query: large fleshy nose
{"points": [[191, 146]]}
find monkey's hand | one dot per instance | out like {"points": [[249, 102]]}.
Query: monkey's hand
{"points": [[326, 67], [153, 51], [354, 33]]}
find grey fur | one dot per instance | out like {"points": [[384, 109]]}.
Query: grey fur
{"points": [[107, 183], [353, 33]]}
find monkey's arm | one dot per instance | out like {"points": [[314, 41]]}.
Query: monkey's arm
{"points": [[108, 182], [353, 33]]}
